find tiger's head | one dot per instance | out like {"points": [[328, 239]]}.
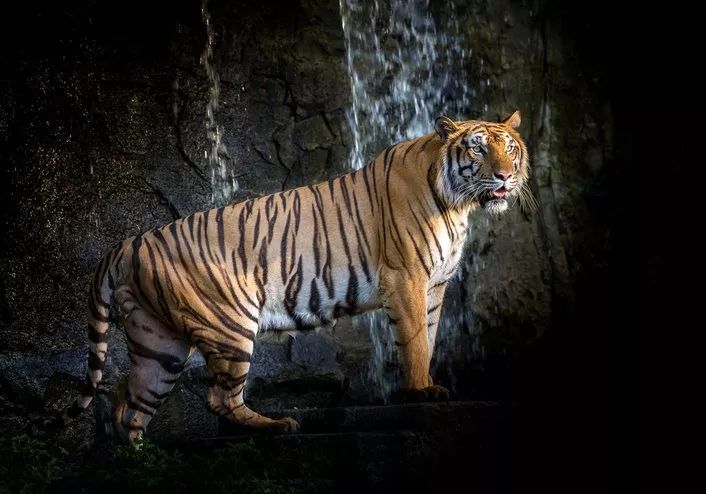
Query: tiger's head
{"points": [[483, 163]]}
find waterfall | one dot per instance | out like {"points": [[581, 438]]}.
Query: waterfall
{"points": [[223, 182], [404, 72]]}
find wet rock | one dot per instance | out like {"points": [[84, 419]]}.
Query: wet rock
{"points": [[315, 350], [312, 133], [271, 359], [295, 372]]}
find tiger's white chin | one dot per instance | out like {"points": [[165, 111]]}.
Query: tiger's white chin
{"points": [[496, 206]]}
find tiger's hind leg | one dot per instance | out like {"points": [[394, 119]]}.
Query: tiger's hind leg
{"points": [[158, 354], [228, 361]]}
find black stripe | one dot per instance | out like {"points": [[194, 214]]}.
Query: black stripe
{"points": [[148, 403], [271, 216], [262, 259], [167, 361], [297, 206], [228, 382], [421, 230], [257, 230], [235, 355], [94, 312], [392, 224], [409, 148], [327, 276], [315, 242], [330, 188], [352, 292], [440, 205], [139, 408], [419, 254], [360, 223], [245, 293], [225, 320], [441, 283], [315, 302], [292, 289], [367, 186], [344, 193], [220, 231], [344, 238], [136, 269], [94, 361], [248, 207], [427, 141], [167, 249], [95, 336], [156, 281], [283, 249], [241, 241]]}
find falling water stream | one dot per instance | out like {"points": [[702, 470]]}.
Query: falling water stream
{"points": [[404, 72], [223, 182]]}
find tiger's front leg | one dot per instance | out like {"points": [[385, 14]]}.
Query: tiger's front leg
{"points": [[405, 301]]}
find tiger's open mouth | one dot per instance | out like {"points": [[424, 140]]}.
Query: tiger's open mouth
{"points": [[496, 196], [501, 193], [495, 201]]}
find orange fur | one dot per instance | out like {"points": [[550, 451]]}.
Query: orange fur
{"points": [[387, 236]]}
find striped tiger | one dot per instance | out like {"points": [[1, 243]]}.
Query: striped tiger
{"points": [[388, 235]]}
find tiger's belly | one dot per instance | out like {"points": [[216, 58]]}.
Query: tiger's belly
{"points": [[314, 307]]}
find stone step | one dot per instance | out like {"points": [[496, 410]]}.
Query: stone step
{"points": [[381, 448], [450, 417]]}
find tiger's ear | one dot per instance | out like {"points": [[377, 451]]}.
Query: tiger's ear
{"points": [[513, 121], [444, 126]]}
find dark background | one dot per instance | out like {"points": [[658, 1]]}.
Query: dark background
{"points": [[579, 381]]}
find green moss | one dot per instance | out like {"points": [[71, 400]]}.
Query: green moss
{"points": [[29, 465]]}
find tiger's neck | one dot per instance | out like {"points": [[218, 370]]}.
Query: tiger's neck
{"points": [[412, 172], [428, 163]]}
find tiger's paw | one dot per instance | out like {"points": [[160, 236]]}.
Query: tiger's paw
{"points": [[286, 425], [436, 393], [430, 393]]}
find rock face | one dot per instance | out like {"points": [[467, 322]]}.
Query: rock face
{"points": [[102, 134]]}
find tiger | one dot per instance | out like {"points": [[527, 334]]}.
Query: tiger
{"points": [[386, 236]]}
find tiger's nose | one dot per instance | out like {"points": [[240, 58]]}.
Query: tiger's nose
{"points": [[502, 176]]}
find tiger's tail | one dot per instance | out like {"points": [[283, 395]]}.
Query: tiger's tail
{"points": [[99, 299]]}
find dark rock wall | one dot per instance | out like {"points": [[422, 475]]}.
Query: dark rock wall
{"points": [[103, 136]]}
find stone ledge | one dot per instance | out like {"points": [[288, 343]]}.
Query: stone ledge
{"points": [[467, 417]]}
